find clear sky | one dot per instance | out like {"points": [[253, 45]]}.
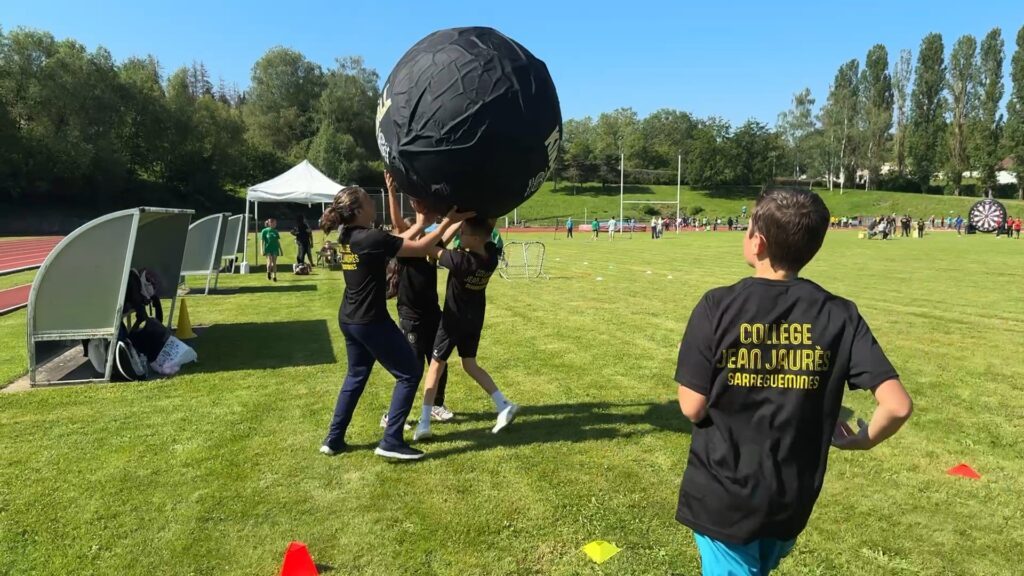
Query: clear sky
{"points": [[735, 59]]}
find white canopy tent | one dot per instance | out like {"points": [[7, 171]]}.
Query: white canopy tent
{"points": [[302, 184]]}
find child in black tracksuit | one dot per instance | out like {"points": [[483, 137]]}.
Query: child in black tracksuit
{"points": [[462, 320], [419, 314]]}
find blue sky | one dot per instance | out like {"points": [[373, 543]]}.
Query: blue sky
{"points": [[733, 59]]}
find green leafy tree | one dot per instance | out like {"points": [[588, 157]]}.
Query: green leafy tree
{"points": [[754, 149], [987, 122], [927, 106], [281, 108], [795, 125], [962, 82], [901, 85], [709, 161], [876, 89], [578, 137], [844, 110], [1015, 113]]}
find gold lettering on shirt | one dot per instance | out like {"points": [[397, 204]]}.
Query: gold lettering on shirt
{"points": [[478, 280], [349, 259], [780, 355]]}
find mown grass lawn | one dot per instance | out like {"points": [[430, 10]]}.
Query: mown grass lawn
{"points": [[215, 471], [550, 203]]}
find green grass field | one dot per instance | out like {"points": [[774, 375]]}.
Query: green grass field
{"points": [[215, 470], [550, 203]]}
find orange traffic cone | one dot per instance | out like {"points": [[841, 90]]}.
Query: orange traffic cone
{"points": [[184, 330], [297, 561]]}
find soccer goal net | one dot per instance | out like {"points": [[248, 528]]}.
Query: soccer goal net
{"points": [[522, 261]]}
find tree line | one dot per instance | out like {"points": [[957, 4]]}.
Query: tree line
{"points": [[80, 128], [903, 126], [712, 151]]}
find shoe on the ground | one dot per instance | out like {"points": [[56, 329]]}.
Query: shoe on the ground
{"points": [[275, 277], [328, 450], [441, 414], [384, 422], [422, 432], [268, 275], [398, 452], [505, 417]]}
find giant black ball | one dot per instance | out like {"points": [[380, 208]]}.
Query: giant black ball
{"points": [[469, 118]]}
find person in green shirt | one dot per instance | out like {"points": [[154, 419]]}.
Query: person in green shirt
{"points": [[596, 227], [568, 227], [271, 247]]}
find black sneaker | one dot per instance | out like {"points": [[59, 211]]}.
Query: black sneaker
{"points": [[398, 452], [329, 450], [268, 275]]}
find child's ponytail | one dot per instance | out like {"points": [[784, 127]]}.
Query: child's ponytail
{"points": [[342, 210]]}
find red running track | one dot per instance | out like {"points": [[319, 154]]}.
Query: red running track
{"points": [[14, 298], [25, 254]]}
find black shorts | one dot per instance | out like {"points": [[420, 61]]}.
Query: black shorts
{"points": [[454, 334], [420, 334]]}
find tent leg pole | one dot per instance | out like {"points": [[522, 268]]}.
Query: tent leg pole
{"points": [[170, 317], [245, 235], [255, 240]]}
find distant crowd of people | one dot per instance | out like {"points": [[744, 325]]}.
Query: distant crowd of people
{"points": [[658, 225], [1010, 227]]}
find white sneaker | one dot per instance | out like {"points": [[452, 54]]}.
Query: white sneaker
{"points": [[384, 422], [422, 432], [505, 417], [441, 414]]}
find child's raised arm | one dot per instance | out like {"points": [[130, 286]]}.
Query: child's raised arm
{"points": [[423, 245], [394, 210]]}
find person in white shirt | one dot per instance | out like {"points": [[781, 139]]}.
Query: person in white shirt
{"points": [[654, 227], [611, 229]]}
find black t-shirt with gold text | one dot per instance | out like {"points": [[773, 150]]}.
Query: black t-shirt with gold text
{"points": [[772, 358], [364, 255], [417, 289], [465, 297]]}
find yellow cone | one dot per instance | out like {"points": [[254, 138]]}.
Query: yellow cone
{"points": [[600, 551], [184, 330]]}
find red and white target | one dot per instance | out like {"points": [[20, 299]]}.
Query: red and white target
{"points": [[987, 215]]}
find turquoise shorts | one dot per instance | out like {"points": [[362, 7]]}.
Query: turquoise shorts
{"points": [[757, 558]]}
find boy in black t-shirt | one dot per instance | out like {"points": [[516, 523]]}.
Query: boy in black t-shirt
{"points": [[462, 319], [761, 370]]}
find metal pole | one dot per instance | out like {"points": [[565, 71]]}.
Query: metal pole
{"points": [[622, 181], [256, 241], [515, 217], [245, 241], [679, 183]]}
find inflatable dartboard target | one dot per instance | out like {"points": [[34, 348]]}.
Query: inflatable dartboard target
{"points": [[469, 118], [987, 215]]}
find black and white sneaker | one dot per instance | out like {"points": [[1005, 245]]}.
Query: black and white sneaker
{"points": [[328, 450], [398, 452], [384, 422]]}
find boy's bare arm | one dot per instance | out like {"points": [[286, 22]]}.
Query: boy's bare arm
{"points": [[693, 404], [397, 223], [893, 410]]}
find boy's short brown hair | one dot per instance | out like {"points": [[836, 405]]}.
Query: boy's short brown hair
{"points": [[479, 226], [793, 222]]}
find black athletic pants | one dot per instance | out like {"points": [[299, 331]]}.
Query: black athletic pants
{"points": [[420, 335], [305, 254]]}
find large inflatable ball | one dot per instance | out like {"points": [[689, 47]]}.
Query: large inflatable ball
{"points": [[469, 118]]}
